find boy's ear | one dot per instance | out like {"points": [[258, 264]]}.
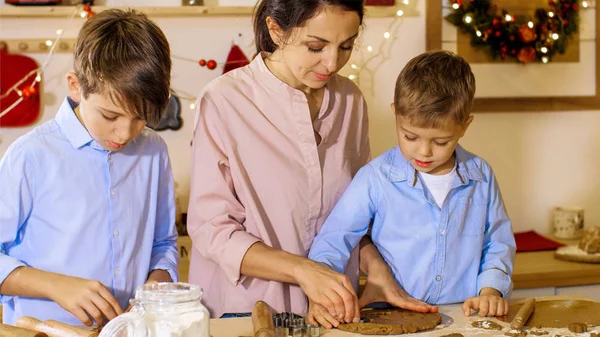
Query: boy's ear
{"points": [[74, 87], [274, 30], [467, 123], [393, 108]]}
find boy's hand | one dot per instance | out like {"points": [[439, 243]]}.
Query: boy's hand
{"points": [[330, 289], [319, 315], [84, 299], [489, 303], [382, 287]]}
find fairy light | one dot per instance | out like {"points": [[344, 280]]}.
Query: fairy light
{"points": [[545, 59], [193, 106], [406, 2], [555, 36], [354, 66], [83, 14], [369, 49], [530, 24], [38, 78], [59, 32], [455, 6], [544, 50], [584, 4], [352, 77], [468, 18], [508, 17], [386, 35], [478, 33], [399, 12], [48, 43], [551, 14]]}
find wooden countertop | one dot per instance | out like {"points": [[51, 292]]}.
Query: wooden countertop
{"points": [[541, 269], [452, 314]]}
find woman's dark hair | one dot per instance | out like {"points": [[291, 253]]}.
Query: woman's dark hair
{"points": [[293, 13]]}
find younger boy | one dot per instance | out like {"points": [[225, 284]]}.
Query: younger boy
{"points": [[438, 217], [87, 200]]}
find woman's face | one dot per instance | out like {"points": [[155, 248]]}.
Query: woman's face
{"points": [[316, 50]]}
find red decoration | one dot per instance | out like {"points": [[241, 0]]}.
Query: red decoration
{"points": [[526, 54], [527, 34], [13, 68], [235, 59], [212, 64], [202, 62]]}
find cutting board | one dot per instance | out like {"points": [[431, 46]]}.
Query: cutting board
{"points": [[236, 327]]}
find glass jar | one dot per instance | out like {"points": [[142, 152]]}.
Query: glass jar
{"points": [[163, 310]]}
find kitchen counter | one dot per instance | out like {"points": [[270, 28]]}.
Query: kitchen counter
{"points": [[237, 327]]}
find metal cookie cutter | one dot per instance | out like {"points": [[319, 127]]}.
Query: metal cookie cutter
{"points": [[288, 324]]}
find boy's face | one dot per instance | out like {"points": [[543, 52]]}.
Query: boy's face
{"points": [[429, 150], [106, 122]]}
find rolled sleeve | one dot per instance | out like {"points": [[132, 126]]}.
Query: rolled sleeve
{"points": [[497, 279], [7, 266]]}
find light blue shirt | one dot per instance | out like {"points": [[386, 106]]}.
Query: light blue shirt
{"points": [[438, 255], [68, 206]]}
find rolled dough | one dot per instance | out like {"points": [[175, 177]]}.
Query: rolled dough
{"points": [[392, 322]]}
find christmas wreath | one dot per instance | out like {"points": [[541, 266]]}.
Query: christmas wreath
{"points": [[520, 37]]}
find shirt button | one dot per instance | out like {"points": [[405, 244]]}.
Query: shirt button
{"points": [[112, 192], [117, 271], [116, 232], [442, 231], [438, 278]]}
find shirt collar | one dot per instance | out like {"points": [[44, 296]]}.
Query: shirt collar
{"points": [[70, 125], [269, 80], [401, 170]]}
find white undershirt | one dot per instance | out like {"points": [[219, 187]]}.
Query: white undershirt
{"points": [[439, 185]]}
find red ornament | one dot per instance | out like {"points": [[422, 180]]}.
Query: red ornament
{"points": [[28, 92], [496, 22], [565, 22], [235, 59], [87, 8], [527, 34], [576, 7], [511, 38], [212, 64], [202, 62], [90, 14], [498, 33], [526, 54]]}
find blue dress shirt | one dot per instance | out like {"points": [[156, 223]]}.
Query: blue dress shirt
{"points": [[438, 255], [68, 206]]}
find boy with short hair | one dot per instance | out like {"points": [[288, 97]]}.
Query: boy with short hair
{"points": [[87, 211], [438, 216]]}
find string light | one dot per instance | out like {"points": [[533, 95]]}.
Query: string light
{"points": [[30, 89], [193, 106], [399, 12], [354, 66], [455, 6], [386, 35], [584, 4], [352, 77], [544, 50], [545, 59], [551, 14], [508, 17], [478, 33], [555, 36], [369, 49], [530, 24], [468, 18]]}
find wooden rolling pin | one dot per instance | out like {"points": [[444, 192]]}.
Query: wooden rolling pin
{"points": [[54, 328], [262, 320], [523, 314], [13, 331]]}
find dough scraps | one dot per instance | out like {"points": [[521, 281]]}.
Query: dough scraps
{"points": [[392, 322], [539, 332], [578, 327], [560, 313], [453, 335], [487, 325]]}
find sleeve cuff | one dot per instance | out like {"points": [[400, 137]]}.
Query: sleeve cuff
{"points": [[8, 264], [231, 261], [173, 272], [497, 279]]}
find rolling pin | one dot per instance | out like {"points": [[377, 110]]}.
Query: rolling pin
{"points": [[262, 320], [523, 314], [54, 328], [13, 331]]}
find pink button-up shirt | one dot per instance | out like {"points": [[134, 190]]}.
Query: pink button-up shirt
{"points": [[259, 175]]}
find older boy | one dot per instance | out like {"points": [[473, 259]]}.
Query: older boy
{"points": [[438, 217], [87, 199]]}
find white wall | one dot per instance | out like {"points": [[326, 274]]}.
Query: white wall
{"points": [[541, 159]]}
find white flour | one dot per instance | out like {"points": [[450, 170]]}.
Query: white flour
{"points": [[186, 325], [574, 250]]}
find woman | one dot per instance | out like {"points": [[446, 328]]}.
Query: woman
{"points": [[275, 145]]}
